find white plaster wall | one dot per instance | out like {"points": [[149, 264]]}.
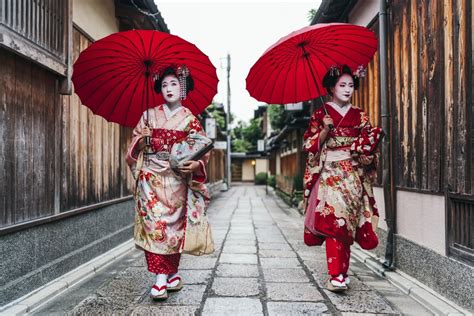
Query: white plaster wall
{"points": [[95, 17], [364, 12], [261, 166], [248, 173], [378, 194], [421, 219]]}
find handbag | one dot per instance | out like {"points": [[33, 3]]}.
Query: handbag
{"points": [[194, 147], [198, 239]]}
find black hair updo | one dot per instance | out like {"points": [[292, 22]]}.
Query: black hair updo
{"points": [[172, 71], [333, 75]]}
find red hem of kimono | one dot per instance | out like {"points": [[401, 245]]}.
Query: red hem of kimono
{"points": [[162, 264]]}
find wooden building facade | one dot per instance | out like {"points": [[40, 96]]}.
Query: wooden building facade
{"points": [[65, 189], [430, 106]]}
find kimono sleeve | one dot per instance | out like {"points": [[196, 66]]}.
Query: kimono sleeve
{"points": [[373, 136], [200, 175], [132, 151], [311, 136]]}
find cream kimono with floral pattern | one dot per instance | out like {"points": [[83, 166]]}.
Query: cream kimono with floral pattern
{"points": [[165, 200]]}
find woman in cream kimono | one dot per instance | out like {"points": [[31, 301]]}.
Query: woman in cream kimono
{"points": [[166, 199], [340, 205]]}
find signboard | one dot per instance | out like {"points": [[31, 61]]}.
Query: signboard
{"points": [[294, 106], [211, 128], [220, 145], [261, 145]]}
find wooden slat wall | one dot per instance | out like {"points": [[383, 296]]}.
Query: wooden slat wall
{"points": [[215, 166], [91, 152], [430, 94], [429, 76], [27, 141], [93, 161], [367, 97], [289, 165]]}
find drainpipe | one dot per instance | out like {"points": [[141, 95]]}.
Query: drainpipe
{"points": [[387, 175]]}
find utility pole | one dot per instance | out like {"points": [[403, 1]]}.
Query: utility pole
{"points": [[228, 124]]}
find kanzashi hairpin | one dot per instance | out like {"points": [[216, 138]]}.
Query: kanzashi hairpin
{"points": [[334, 71], [182, 72], [360, 71]]}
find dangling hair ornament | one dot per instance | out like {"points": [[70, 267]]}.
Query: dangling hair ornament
{"points": [[360, 72], [334, 71], [182, 72]]}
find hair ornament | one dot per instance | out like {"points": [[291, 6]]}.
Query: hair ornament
{"points": [[360, 72], [334, 71], [182, 72]]}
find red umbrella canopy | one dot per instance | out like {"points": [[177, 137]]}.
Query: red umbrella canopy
{"points": [[292, 70], [114, 76]]}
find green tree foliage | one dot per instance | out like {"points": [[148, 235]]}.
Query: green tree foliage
{"points": [[217, 115], [245, 135], [240, 145], [311, 14], [277, 116]]}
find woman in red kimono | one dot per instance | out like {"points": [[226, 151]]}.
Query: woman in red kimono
{"points": [[340, 205], [165, 199]]}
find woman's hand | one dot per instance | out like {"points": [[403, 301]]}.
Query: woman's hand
{"points": [[146, 132], [327, 120], [189, 167], [366, 160]]}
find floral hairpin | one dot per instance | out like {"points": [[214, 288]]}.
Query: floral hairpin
{"points": [[360, 72]]}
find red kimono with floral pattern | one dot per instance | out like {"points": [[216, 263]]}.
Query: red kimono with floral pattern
{"points": [[339, 201]]}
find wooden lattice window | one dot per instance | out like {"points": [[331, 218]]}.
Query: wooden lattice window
{"points": [[461, 228], [39, 30]]}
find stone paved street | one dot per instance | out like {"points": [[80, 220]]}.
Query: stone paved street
{"points": [[261, 267]]}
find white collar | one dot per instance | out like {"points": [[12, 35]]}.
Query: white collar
{"points": [[169, 113], [340, 109]]}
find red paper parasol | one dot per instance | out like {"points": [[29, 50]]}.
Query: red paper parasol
{"points": [[114, 76], [292, 69]]}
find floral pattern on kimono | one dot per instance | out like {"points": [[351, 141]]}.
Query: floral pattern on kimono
{"points": [[338, 194], [165, 200]]}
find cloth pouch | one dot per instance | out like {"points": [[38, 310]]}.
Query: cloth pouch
{"points": [[194, 147]]}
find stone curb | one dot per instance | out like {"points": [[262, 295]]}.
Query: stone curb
{"points": [[426, 296], [423, 294], [42, 295]]}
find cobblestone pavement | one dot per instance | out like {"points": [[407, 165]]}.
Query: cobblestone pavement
{"points": [[260, 267]]}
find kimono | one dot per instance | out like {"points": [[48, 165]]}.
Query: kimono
{"points": [[165, 200], [338, 197]]}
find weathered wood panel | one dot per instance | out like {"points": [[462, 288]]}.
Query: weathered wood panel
{"points": [[94, 152], [215, 167], [367, 97], [91, 153], [29, 97], [289, 165], [429, 94]]}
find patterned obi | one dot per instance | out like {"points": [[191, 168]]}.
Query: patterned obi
{"points": [[163, 139]]}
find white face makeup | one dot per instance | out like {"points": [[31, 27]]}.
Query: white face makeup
{"points": [[343, 90], [170, 89]]}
